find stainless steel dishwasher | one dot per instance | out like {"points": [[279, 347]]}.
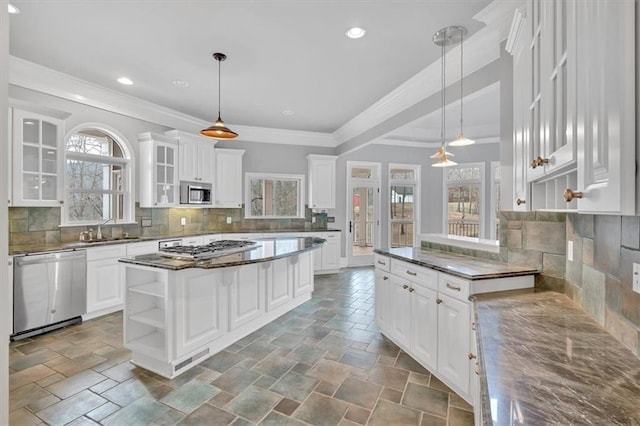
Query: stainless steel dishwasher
{"points": [[49, 291]]}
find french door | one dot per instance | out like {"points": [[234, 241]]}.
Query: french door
{"points": [[363, 212]]}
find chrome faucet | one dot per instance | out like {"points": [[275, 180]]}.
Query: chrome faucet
{"points": [[99, 233]]}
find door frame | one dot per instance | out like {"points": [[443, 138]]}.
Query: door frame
{"points": [[374, 182]]}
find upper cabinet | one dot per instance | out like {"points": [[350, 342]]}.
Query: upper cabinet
{"points": [[322, 181], [158, 171], [574, 106], [197, 157], [606, 107], [38, 155], [228, 182]]}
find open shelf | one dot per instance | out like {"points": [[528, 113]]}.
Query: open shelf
{"points": [[152, 344], [153, 317], [152, 289]]}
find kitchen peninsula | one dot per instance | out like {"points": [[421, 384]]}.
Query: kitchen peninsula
{"points": [[178, 312]]}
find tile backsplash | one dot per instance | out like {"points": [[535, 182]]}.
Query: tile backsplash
{"points": [[40, 225]]}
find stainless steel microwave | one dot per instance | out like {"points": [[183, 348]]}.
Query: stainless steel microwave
{"points": [[195, 193]]}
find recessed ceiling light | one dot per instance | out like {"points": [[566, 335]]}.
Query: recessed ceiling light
{"points": [[288, 112], [180, 83], [126, 81], [12, 9], [356, 32]]}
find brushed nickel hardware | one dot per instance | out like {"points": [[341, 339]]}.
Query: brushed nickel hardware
{"points": [[453, 287], [539, 162], [385, 278], [438, 301], [381, 262], [411, 290], [471, 356], [473, 326], [520, 201], [569, 195], [477, 369], [411, 273], [405, 286]]}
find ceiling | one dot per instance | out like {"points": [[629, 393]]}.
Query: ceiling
{"points": [[282, 54]]}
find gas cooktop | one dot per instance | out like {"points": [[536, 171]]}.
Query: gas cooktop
{"points": [[208, 251]]}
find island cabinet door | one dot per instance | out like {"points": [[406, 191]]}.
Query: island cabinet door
{"points": [[279, 285], [200, 310], [301, 273], [246, 293], [400, 312], [453, 341], [424, 325]]}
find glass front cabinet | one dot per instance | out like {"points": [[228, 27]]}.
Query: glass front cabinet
{"points": [[37, 159]]}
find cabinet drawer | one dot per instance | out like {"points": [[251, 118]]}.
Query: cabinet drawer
{"points": [[330, 235], [382, 263], [417, 274], [454, 287], [108, 252]]}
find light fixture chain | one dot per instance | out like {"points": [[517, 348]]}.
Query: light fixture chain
{"points": [[219, 78], [461, 79], [442, 96]]}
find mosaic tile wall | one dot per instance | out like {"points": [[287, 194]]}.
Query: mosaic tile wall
{"points": [[39, 225]]}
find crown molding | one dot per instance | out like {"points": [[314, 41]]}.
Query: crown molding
{"points": [[36, 77]]}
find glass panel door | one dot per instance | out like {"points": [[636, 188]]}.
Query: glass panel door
{"points": [[363, 204]]}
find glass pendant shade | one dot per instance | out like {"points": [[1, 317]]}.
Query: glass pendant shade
{"points": [[462, 141], [218, 130], [443, 158]]}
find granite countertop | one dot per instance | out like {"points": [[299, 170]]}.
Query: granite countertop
{"points": [[269, 249], [466, 267], [77, 245], [545, 361]]}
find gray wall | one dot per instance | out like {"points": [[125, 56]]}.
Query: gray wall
{"points": [[431, 195]]}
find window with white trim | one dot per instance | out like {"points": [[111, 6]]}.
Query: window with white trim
{"points": [[96, 179], [464, 189], [271, 196], [404, 191]]}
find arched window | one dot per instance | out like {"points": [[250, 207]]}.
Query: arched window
{"points": [[97, 175]]}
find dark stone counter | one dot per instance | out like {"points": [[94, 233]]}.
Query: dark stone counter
{"points": [[545, 361], [267, 250], [469, 268]]}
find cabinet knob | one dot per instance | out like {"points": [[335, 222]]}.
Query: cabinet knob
{"points": [[471, 356], [405, 286], [411, 290], [473, 326], [438, 301], [61, 201], [569, 195], [539, 162], [520, 201], [385, 278]]}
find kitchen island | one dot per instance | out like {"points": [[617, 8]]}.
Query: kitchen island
{"points": [[179, 312]]}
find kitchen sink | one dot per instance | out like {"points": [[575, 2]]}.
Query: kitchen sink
{"points": [[106, 241]]}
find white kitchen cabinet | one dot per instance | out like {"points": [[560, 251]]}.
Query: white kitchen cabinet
{"points": [[228, 182], [327, 259], [105, 284], [301, 268], [424, 325], [606, 107], [382, 300], [205, 319], [453, 341], [197, 159], [206, 239], [145, 247], [322, 181], [38, 159], [400, 312], [158, 171], [279, 284], [246, 294]]}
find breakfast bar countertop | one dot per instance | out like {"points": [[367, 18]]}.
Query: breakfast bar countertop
{"points": [[466, 267], [545, 361]]}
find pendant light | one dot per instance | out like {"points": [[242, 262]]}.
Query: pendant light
{"points": [[219, 130], [462, 140], [443, 38]]}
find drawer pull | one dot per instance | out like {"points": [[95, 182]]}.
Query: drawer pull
{"points": [[411, 290], [405, 286], [471, 356], [477, 368], [438, 301], [473, 326], [385, 278], [453, 287], [411, 273], [380, 262]]}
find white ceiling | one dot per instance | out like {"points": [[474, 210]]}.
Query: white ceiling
{"points": [[282, 54]]}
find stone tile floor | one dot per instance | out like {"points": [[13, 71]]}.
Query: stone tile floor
{"points": [[324, 363]]}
